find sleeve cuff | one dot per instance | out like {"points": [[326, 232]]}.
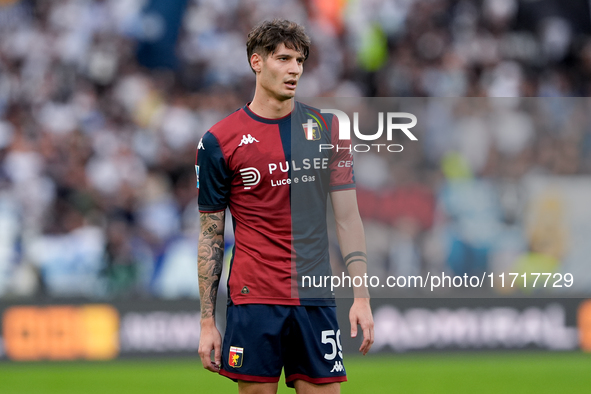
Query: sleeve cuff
{"points": [[211, 209], [336, 188]]}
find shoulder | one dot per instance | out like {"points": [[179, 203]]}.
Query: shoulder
{"points": [[230, 126], [215, 140], [226, 134]]}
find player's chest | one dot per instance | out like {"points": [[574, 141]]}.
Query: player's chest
{"points": [[273, 157]]}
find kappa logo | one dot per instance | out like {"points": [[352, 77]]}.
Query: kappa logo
{"points": [[200, 146], [250, 177], [248, 139], [338, 367], [236, 356]]}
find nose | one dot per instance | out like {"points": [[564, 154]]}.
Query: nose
{"points": [[294, 67]]}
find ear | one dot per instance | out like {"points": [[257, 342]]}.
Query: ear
{"points": [[256, 62]]}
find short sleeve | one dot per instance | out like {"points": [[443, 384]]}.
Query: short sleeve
{"points": [[213, 177], [342, 176]]}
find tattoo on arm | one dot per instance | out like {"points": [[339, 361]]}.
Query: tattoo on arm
{"points": [[210, 229], [355, 256], [210, 260]]}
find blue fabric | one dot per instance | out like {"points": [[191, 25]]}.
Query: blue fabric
{"points": [[275, 336], [214, 176]]}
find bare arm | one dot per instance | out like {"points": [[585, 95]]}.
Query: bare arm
{"points": [[351, 238], [209, 264], [210, 260]]}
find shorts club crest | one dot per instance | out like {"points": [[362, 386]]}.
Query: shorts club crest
{"points": [[236, 356]]}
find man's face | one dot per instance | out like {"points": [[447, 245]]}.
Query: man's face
{"points": [[280, 72]]}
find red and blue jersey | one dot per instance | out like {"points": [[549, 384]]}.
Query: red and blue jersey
{"points": [[275, 176]]}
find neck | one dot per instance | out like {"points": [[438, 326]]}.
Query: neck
{"points": [[268, 107]]}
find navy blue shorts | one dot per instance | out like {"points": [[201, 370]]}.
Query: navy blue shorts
{"points": [[262, 339]]}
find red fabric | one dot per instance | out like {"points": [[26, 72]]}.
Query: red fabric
{"points": [[249, 378], [306, 378], [263, 235]]}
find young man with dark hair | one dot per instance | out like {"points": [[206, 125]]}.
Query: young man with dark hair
{"points": [[276, 181]]}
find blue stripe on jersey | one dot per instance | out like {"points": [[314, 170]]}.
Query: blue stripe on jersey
{"points": [[308, 208], [229, 301], [285, 134], [214, 175]]}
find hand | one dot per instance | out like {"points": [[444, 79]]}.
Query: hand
{"points": [[360, 313], [210, 340]]}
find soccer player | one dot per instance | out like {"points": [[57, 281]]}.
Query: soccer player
{"points": [[276, 181]]}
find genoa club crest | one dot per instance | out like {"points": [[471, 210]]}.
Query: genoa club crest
{"points": [[315, 131], [236, 356]]}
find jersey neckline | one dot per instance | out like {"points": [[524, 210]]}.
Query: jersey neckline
{"points": [[268, 120]]}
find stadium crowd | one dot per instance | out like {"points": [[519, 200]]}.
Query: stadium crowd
{"points": [[97, 186]]}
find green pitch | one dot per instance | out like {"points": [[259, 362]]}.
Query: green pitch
{"points": [[496, 373]]}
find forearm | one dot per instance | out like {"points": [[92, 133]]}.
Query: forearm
{"points": [[351, 238], [210, 260]]}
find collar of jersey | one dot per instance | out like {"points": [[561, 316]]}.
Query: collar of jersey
{"points": [[266, 120]]}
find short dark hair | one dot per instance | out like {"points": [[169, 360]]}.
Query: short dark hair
{"points": [[268, 35]]}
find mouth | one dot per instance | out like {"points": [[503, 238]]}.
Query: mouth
{"points": [[291, 84]]}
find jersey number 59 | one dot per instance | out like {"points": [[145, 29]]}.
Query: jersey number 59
{"points": [[327, 338]]}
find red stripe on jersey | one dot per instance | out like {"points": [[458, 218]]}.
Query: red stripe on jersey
{"points": [[262, 265]]}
